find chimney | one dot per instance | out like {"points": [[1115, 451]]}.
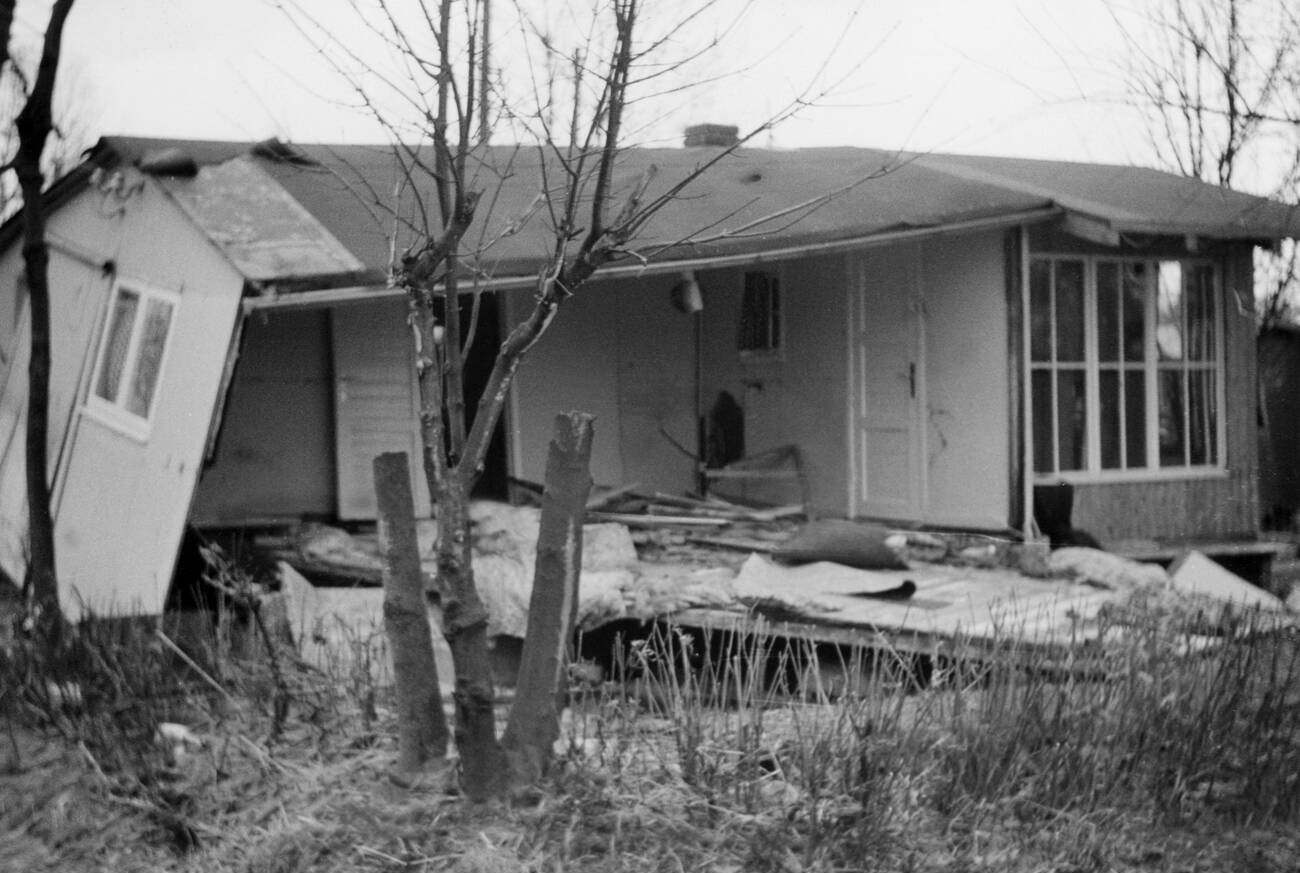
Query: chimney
{"points": [[712, 135]]}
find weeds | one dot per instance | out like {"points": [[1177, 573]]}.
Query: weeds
{"points": [[1010, 751], [735, 752]]}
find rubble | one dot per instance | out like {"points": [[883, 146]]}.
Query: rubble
{"points": [[1105, 570], [665, 565], [1195, 575]]}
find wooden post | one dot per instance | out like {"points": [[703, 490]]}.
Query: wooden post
{"points": [[421, 723], [552, 610]]}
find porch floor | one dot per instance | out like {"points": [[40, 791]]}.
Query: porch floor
{"points": [[951, 607]]}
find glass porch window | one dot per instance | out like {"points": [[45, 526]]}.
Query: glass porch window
{"points": [[1125, 370]]}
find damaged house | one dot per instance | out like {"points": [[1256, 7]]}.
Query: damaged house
{"points": [[923, 339]]}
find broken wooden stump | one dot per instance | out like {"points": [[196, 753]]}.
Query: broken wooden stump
{"points": [[421, 723], [553, 607]]}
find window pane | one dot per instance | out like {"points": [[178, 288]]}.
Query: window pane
{"points": [[1108, 385], [1172, 403], [1203, 426], [153, 338], [1041, 381], [1200, 314], [1071, 419], [1135, 312], [113, 359], [759, 314], [1069, 311], [774, 305], [1169, 311], [1107, 312], [1040, 311], [1135, 419]]}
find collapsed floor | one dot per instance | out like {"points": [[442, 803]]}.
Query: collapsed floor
{"points": [[719, 567]]}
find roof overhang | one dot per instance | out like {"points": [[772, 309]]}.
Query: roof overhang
{"points": [[325, 297]]}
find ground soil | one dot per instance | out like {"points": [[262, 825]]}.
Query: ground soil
{"points": [[316, 798]]}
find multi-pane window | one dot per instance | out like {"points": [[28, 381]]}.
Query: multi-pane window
{"points": [[760, 314], [1125, 365], [129, 367]]}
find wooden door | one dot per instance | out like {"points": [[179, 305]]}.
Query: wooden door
{"points": [[888, 384], [375, 402]]}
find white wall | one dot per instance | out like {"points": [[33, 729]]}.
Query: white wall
{"points": [[798, 396], [621, 352]]}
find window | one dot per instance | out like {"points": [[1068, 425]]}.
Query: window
{"points": [[131, 356], [760, 314], [1125, 365]]}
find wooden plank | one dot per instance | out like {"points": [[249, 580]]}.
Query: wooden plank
{"points": [[751, 474], [606, 498], [687, 502], [1210, 548], [778, 512], [658, 520], [743, 544]]}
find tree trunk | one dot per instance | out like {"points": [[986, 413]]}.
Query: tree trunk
{"points": [[483, 762], [535, 717], [421, 724], [34, 125]]}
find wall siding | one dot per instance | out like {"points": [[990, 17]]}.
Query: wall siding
{"points": [[1220, 507]]}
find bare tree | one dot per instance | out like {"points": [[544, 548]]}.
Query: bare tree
{"points": [[1220, 83], [578, 97], [34, 125]]}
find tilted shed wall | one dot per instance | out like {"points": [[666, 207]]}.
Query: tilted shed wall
{"points": [[122, 489]]}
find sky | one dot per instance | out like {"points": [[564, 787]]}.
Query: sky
{"points": [[1035, 78]]}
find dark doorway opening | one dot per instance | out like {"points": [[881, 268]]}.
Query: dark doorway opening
{"points": [[478, 367]]}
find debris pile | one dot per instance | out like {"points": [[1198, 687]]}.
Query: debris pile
{"points": [[615, 582], [648, 555]]}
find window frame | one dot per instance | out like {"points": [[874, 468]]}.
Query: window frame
{"points": [[775, 351], [1151, 366], [114, 413]]}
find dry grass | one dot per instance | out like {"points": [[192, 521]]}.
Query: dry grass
{"points": [[706, 754]]}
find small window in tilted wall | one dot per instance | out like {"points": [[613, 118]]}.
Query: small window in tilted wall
{"points": [[760, 314], [129, 367]]}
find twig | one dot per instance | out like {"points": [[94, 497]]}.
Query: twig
{"points": [[94, 765], [263, 756], [166, 641]]}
